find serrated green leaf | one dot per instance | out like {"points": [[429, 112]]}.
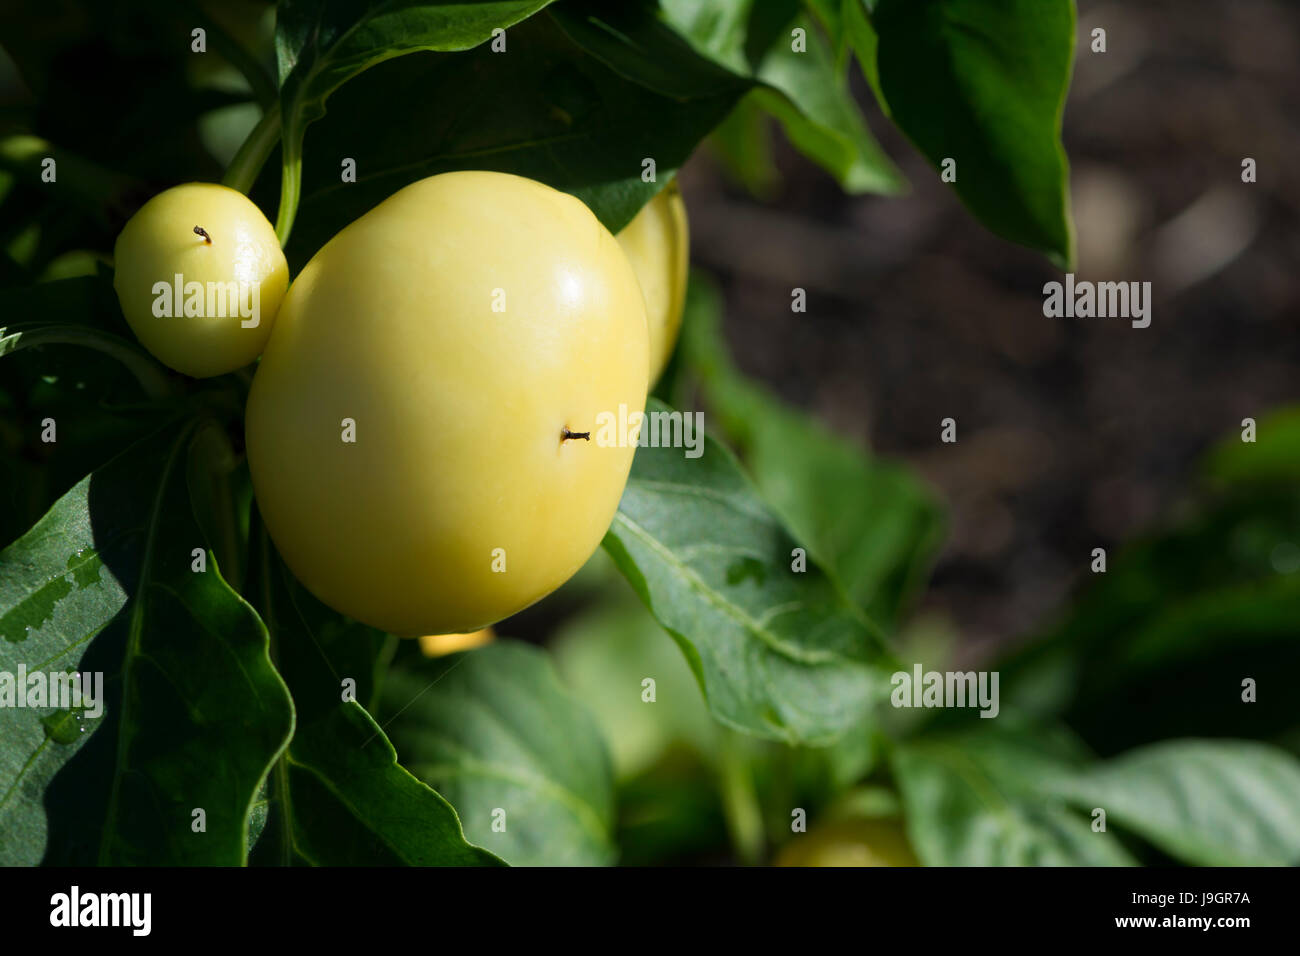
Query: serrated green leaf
{"points": [[194, 712], [522, 761]]}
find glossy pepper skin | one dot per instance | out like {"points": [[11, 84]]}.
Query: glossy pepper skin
{"points": [[464, 326], [223, 250], [852, 842], [657, 243]]}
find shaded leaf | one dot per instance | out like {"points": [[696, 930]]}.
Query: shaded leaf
{"points": [[522, 761], [338, 796], [805, 89], [985, 84], [321, 44], [551, 109], [743, 144], [193, 714], [820, 117], [95, 401], [1159, 645]]}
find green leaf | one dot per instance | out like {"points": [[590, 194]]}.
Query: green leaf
{"points": [[552, 109], [95, 402], [718, 29], [806, 90], [338, 796], [1205, 802], [860, 37], [978, 799], [820, 117], [194, 714], [779, 653], [743, 144], [81, 311], [1158, 646], [153, 380], [321, 44], [90, 191], [522, 761], [604, 655], [984, 84], [86, 301], [672, 814], [1274, 455], [830, 15], [871, 522], [114, 89]]}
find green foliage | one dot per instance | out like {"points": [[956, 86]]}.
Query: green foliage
{"points": [[55, 367], [232, 690], [493, 729], [779, 652], [872, 523], [1273, 457], [1160, 644], [977, 800], [1205, 802], [804, 89], [337, 796], [560, 114], [193, 712], [993, 797], [320, 45], [984, 84], [605, 655]]}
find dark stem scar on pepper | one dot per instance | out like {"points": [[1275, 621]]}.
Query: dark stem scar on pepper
{"points": [[200, 231], [565, 435]]}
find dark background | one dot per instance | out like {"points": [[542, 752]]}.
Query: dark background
{"points": [[1072, 433]]}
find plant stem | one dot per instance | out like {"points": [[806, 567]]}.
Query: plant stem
{"points": [[219, 461], [740, 801], [153, 380], [290, 184], [243, 169]]}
